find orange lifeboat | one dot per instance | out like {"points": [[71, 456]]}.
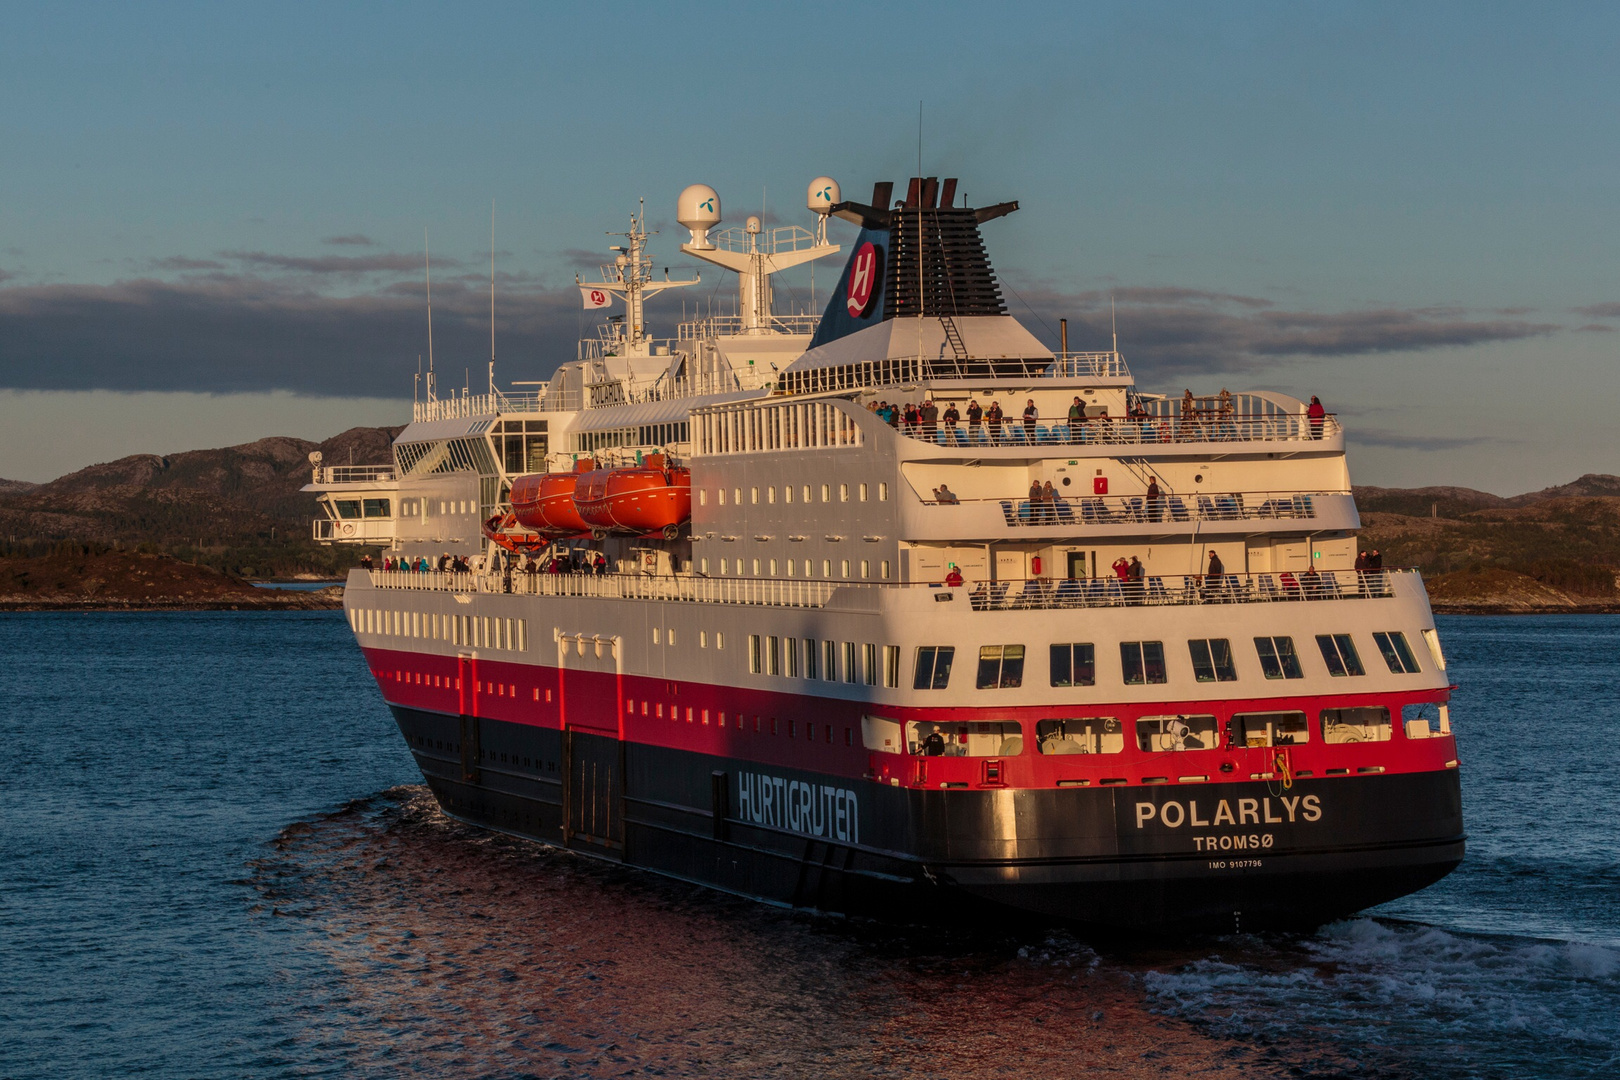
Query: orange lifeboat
{"points": [[544, 502], [638, 500], [503, 530]]}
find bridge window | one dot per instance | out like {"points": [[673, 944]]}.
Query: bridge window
{"points": [[1339, 653], [347, 508], [1270, 729], [1001, 667], [1212, 660], [1365, 724], [995, 738], [1397, 653], [1084, 735], [933, 670], [1074, 664], [1142, 662], [1277, 658], [1160, 733]]}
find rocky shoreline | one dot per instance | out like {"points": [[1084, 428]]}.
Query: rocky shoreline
{"points": [[136, 581]]}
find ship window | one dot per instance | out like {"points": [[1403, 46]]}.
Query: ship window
{"points": [[891, 665], [884, 567], [753, 495], [883, 493], [881, 734], [1339, 653], [787, 566], [756, 567], [1000, 667], [1159, 733], [865, 568], [736, 496], [1142, 662], [933, 670], [703, 639], [843, 567], [1431, 638], [994, 738], [347, 508], [790, 649], [843, 493], [1212, 660], [1365, 724], [811, 658], [806, 493], [826, 493], [1084, 735], [1397, 653], [787, 493], [753, 653], [1074, 665], [1277, 658], [773, 656], [1426, 720], [655, 635], [770, 494], [703, 496], [719, 640], [851, 673], [829, 653], [863, 493], [703, 566], [1270, 729], [722, 493], [869, 663], [826, 568]]}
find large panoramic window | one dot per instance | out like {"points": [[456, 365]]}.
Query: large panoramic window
{"points": [[933, 667], [1212, 660], [1339, 653], [1277, 658], [995, 738], [1397, 653], [1001, 667], [1083, 735], [1142, 662], [1270, 729], [1074, 664], [1159, 733], [1365, 724]]}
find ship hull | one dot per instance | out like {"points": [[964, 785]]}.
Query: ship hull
{"points": [[1287, 857]]}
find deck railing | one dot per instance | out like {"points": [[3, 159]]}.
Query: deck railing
{"points": [[1125, 431], [1142, 509], [1018, 595]]}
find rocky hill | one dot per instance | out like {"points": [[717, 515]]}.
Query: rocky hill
{"points": [[75, 577], [1557, 549], [238, 508]]}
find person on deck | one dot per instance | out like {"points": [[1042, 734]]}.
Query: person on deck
{"points": [[975, 416], [1077, 420], [992, 419], [929, 415], [1122, 569], [951, 417], [1155, 500], [934, 744], [1214, 576], [365, 563], [953, 577], [1031, 415], [1317, 414]]}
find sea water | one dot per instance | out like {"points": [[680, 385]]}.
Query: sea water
{"points": [[217, 859]]}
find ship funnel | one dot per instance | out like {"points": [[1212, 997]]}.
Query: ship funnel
{"points": [[698, 209]]}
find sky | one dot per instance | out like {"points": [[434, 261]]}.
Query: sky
{"points": [[212, 216]]}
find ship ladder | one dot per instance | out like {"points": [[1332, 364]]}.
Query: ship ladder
{"points": [[953, 337]]}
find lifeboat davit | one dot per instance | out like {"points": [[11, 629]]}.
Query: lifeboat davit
{"points": [[637, 500], [544, 502], [504, 531]]}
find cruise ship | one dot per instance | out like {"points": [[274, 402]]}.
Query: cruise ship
{"points": [[897, 607]]}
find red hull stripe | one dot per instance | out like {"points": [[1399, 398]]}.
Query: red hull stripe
{"points": [[824, 734]]}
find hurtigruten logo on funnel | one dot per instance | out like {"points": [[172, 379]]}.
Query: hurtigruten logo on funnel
{"points": [[863, 272]]}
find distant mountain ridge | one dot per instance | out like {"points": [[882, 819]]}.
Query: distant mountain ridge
{"points": [[226, 496]]}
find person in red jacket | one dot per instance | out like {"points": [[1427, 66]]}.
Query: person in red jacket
{"points": [[1316, 413]]}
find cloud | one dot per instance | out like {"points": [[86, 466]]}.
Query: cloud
{"points": [[181, 262], [1599, 311], [1393, 440], [335, 264], [1595, 328], [224, 334], [1169, 330], [350, 240], [580, 259]]}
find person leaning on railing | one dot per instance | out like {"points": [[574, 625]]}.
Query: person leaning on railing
{"points": [[1317, 414]]}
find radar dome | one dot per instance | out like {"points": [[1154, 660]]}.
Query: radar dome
{"points": [[698, 209], [823, 194], [751, 225]]}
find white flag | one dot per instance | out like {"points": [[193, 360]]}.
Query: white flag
{"points": [[595, 298]]}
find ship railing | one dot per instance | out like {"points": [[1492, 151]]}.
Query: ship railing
{"points": [[1166, 508], [781, 239], [906, 370], [1031, 594], [354, 474], [1182, 590], [1125, 431], [619, 393], [466, 406], [770, 592], [732, 325]]}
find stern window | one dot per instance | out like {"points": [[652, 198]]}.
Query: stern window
{"points": [[1397, 653], [1270, 729], [1339, 653], [1087, 735], [1365, 724], [996, 738], [1160, 733]]}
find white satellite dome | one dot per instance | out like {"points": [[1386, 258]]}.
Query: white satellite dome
{"points": [[823, 193], [751, 226], [698, 209]]}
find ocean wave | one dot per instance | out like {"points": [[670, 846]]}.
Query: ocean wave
{"points": [[1412, 997]]}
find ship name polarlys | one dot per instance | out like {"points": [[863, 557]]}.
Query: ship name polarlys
{"points": [[813, 809]]}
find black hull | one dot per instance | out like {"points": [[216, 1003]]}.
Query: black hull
{"points": [[1324, 849]]}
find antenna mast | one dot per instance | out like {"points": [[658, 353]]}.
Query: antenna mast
{"points": [[1112, 323], [427, 262], [492, 298]]}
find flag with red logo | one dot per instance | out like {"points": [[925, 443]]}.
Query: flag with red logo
{"points": [[595, 297]]}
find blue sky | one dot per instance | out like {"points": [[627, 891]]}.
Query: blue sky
{"points": [[212, 215]]}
